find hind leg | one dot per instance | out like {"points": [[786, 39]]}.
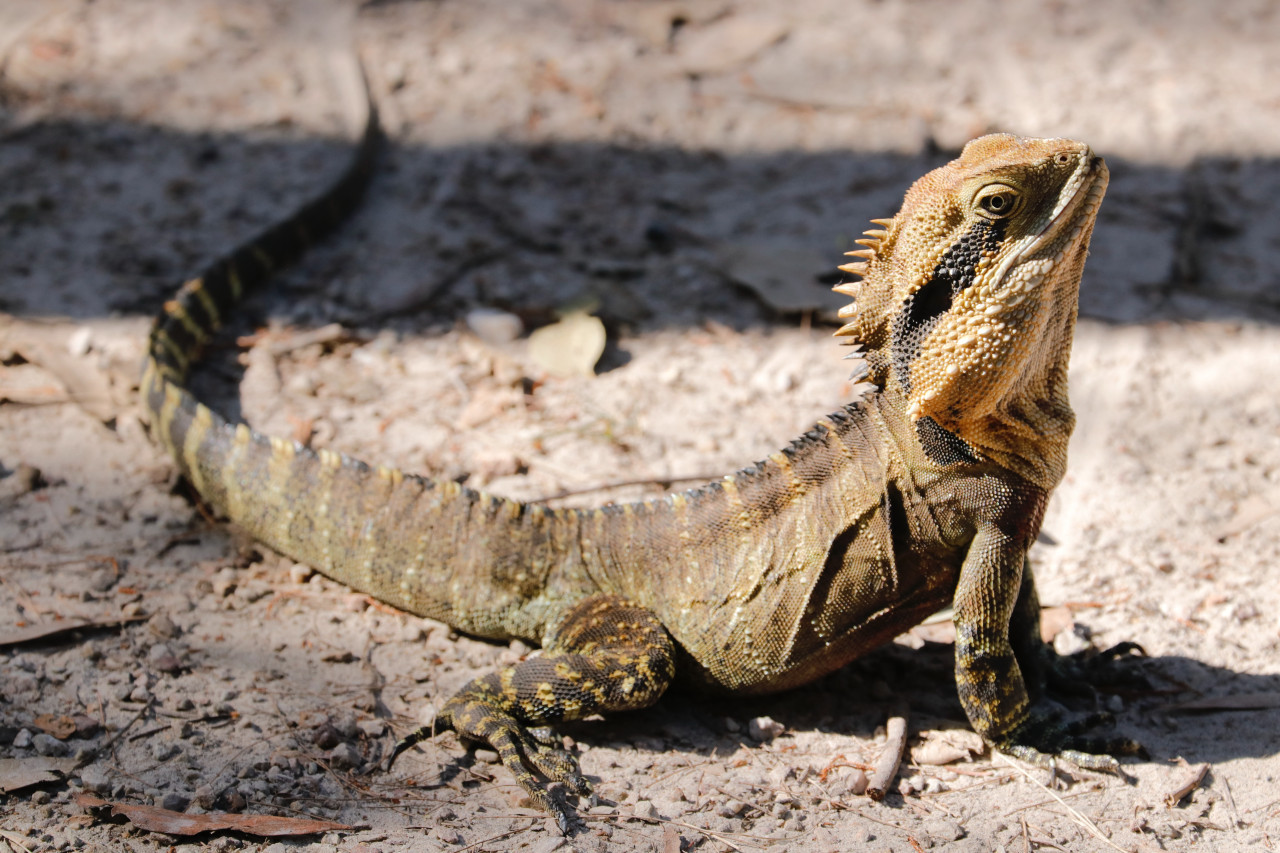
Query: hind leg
{"points": [[606, 654]]}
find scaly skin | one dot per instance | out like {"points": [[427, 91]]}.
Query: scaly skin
{"points": [[923, 494]]}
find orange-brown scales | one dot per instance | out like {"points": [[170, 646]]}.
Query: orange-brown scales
{"points": [[924, 493], [969, 296]]}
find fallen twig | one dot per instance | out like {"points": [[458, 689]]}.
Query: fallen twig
{"points": [[1076, 816], [886, 768], [1189, 781]]}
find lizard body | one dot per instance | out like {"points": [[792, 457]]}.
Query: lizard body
{"points": [[925, 493]]}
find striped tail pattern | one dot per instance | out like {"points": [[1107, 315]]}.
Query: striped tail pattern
{"points": [[434, 548]]}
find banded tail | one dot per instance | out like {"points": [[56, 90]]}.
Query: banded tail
{"points": [[407, 540]]}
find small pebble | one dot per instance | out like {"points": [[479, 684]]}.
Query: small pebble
{"points": [[549, 845], [764, 728], [163, 750], [169, 664], [494, 327], [86, 726], [346, 725], [345, 756], [96, 780], [730, 808], [47, 744], [943, 831], [175, 802], [80, 341], [325, 736], [162, 626]]}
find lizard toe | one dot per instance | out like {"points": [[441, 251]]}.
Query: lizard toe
{"points": [[559, 766], [1084, 672], [1042, 739]]}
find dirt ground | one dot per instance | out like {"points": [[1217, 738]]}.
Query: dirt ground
{"points": [[690, 172]]}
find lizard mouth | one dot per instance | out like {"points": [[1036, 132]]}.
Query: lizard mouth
{"points": [[1090, 183], [1066, 227]]}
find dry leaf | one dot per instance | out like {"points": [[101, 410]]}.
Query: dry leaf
{"points": [[570, 347], [1189, 779], [784, 277], [1236, 702], [61, 727], [18, 773], [44, 630], [947, 746], [30, 384], [671, 840], [176, 823], [47, 347]]}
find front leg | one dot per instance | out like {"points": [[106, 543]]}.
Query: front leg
{"points": [[996, 612], [605, 654]]}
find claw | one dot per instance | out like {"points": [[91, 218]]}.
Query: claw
{"points": [[1124, 649], [564, 819], [1042, 738], [410, 740]]}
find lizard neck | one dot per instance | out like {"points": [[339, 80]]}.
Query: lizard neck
{"points": [[1027, 433]]}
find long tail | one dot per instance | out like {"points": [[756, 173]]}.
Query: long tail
{"points": [[432, 548]]}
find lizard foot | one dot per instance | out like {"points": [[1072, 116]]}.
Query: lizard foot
{"points": [[605, 654], [1083, 673], [524, 756], [1042, 739]]}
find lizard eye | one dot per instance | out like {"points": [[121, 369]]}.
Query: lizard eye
{"points": [[997, 201], [1061, 159]]}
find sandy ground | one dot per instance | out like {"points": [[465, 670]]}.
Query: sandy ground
{"points": [[653, 160]]}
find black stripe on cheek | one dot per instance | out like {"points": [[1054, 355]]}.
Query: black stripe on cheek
{"points": [[951, 276]]}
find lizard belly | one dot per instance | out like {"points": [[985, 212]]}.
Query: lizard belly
{"points": [[773, 643]]}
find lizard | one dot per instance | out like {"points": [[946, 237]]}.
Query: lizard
{"points": [[926, 492]]}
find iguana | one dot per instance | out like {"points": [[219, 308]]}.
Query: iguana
{"points": [[923, 494]]}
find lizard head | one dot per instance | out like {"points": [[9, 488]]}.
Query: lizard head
{"points": [[968, 298]]}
